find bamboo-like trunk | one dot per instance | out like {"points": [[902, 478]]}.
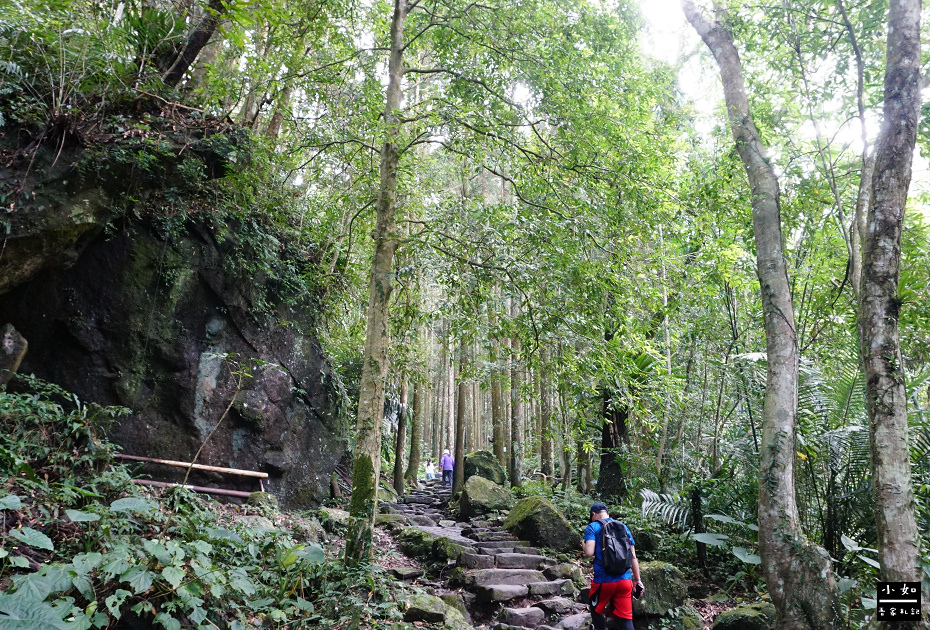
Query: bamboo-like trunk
{"points": [[458, 470], [886, 395], [416, 435], [400, 442], [516, 405], [546, 465], [367, 465], [798, 573]]}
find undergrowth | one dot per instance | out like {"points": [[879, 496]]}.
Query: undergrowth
{"points": [[82, 547]]}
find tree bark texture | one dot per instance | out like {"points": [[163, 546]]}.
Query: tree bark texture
{"points": [[416, 435], [546, 464], [367, 466], [798, 573], [195, 43], [400, 441], [614, 437], [886, 400], [516, 406], [458, 471]]}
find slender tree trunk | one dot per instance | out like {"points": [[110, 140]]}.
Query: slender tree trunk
{"points": [[611, 480], [497, 404], [516, 406], [195, 43], [798, 573], [367, 466], [546, 465], [416, 436], [400, 442], [886, 396], [458, 470]]}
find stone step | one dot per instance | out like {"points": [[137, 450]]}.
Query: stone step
{"points": [[482, 577], [493, 551], [558, 605], [490, 544], [500, 592], [491, 536], [476, 561], [529, 617], [554, 587], [533, 551], [521, 561]]}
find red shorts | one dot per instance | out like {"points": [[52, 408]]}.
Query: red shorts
{"points": [[614, 597]]}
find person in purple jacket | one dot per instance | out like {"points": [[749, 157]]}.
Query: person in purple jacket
{"points": [[447, 464]]}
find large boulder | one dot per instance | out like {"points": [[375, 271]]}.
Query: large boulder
{"points": [[427, 546], [174, 318], [666, 589], [484, 464], [422, 607], [757, 616], [537, 520], [480, 496]]}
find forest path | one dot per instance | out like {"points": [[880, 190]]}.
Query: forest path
{"points": [[505, 583]]}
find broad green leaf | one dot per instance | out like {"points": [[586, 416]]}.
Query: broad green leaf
{"points": [[169, 622], [746, 556], [870, 562], [84, 563], [849, 543], [116, 566], [158, 550], [315, 554], [82, 517], [845, 584], [202, 546], [19, 562], [292, 556], [4, 553], [132, 504], [715, 540], [115, 601], [173, 575], [138, 578], [18, 613], [83, 585], [11, 502], [32, 538]]}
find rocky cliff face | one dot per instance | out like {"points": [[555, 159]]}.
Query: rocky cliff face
{"points": [[121, 314]]}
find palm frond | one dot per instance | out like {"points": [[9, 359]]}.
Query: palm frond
{"points": [[672, 509]]}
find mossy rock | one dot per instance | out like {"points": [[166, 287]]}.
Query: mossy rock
{"points": [[682, 618], [666, 589], [539, 521], [389, 519], [416, 543], [484, 464], [307, 530], [266, 503], [334, 521], [757, 616], [480, 496], [432, 609], [387, 493]]}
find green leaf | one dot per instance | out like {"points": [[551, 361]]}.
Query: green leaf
{"points": [[132, 504], [173, 575], [849, 543], [870, 562], [746, 556], [11, 502], [18, 613], [84, 563], [169, 622], [19, 562], [138, 578], [78, 516], [715, 540], [115, 601], [32, 538], [314, 554]]}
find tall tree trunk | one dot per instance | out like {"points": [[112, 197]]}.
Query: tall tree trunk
{"points": [[516, 405], [611, 481], [546, 465], [497, 403], [400, 441], [458, 471], [886, 396], [798, 573], [195, 43], [416, 435], [367, 466]]}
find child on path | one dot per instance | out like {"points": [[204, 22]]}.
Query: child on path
{"points": [[430, 471], [447, 464]]}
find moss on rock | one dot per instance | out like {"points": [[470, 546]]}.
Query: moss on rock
{"points": [[480, 496], [484, 464], [757, 616], [538, 520], [665, 589]]}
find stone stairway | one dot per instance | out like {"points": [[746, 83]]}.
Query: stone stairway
{"points": [[502, 583]]}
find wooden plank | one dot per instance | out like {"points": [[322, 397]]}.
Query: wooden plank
{"points": [[170, 462], [219, 491]]}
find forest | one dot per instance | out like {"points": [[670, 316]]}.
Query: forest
{"points": [[669, 256]]}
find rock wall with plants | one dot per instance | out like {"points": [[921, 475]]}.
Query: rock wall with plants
{"points": [[138, 282]]}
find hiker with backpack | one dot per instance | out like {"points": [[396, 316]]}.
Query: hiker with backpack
{"points": [[616, 569]]}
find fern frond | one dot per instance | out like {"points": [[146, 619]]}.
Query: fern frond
{"points": [[672, 509]]}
